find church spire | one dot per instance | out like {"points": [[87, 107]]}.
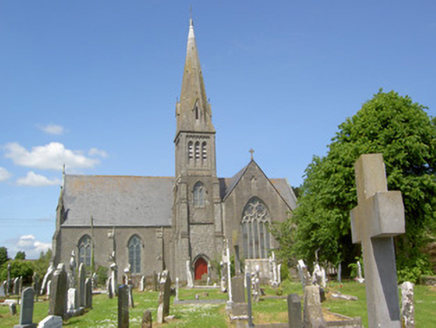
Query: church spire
{"points": [[193, 111]]}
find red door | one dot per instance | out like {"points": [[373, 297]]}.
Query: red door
{"points": [[200, 268]]}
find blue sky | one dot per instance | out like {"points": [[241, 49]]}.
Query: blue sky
{"points": [[93, 84]]}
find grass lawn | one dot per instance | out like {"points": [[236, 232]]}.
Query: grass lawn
{"points": [[104, 313]]}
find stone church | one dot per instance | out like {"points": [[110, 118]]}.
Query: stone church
{"points": [[154, 223]]}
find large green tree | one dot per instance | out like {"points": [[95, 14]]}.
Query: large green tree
{"points": [[406, 136]]}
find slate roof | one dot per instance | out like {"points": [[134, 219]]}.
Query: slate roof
{"points": [[117, 200]]}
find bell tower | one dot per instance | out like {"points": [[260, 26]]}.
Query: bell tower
{"points": [[197, 202]]}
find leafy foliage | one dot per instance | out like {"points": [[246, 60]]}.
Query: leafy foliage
{"points": [[3, 255], [19, 268], [406, 136], [41, 265], [21, 255]]}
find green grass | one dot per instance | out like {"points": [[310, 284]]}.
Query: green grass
{"points": [[104, 313]]}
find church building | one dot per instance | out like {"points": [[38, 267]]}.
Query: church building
{"points": [[156, 223]]}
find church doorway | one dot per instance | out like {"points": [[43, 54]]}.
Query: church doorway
{"points": [[200, 268]]}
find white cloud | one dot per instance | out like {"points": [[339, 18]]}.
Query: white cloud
{"points": [[49, 157], [52, 129], [4, 174], [31, 246], [97, 152], [37, 180]]}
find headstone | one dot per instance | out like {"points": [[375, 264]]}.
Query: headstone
{"points": [[340, 272], [113, 267], [190, 283], [48, 288], [176, 298], [13, 308], [2, 290], [142, 284], [17, 286], [238, 289], [81, 278], [131, 303], [163, 309], [58, 297], [72, 300], [255, 284], [109, 291], [294, 311], [273, 269], [359, 277], [51, 321], [209, 274], [250, 317], [26, 310], [378, 217], [407, 306], [279, 274], [88, 293], [73, 265], [36, 284], [303, 273], [47, 277], [313, 316], [123, 306], [147, 321], [223, 277]]}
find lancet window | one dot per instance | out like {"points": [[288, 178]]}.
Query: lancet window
{"points": [[198, 194], [85, 250], [135, 254]]}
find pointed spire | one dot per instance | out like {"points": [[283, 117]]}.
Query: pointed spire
{"points": [[193, 110]]}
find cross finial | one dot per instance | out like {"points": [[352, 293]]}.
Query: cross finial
{"points": [[251, 151]]}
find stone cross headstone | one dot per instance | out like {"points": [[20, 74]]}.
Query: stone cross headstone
{"points": [[163, 309], [147, 321], [81, 278], [26, 311], [141, 287], [378, 217], [294, 311], [312, 312], [189, 281], [407, 306], [88, 293], [123, 306], [51, 321], [58, 293]]}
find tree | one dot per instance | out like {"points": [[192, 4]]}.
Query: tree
{"points": [[3, 255], [21, 255], [406, 136]]}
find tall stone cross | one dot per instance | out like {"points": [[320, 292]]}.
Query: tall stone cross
{"points": [[378, 217]]}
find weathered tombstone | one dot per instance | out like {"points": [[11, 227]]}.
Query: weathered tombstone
{"points": [[110, 292], [294, 311], [302, 271], [378, 217], [131, 304], [48, 288], [176, 298], [26, 310], [313, 317], [359, 277], [73, 265], [223, 277], [238, 289], [113, 265], [13, 308], [58, 297], [407, 306], [36, 284], [72, 300], [81, 278], [123, 306], [88, 293], [142, 284], [163, 309], [51, 321], [189, 281], [147, 321], [47, 277], [250, 318], [273, 269], [17, 286], [2, 290]]}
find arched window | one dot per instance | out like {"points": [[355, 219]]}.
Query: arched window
{"points": [[198, 194], [135, 254], [85, 250], [197, 151], [204, 151], [190, 150], [255, 234], [196, 112]]}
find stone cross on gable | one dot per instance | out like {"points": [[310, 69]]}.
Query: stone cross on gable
{"points": [[378, 217], [251, 151]]}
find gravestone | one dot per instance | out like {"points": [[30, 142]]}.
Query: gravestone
{"points": [[123, 306], [51, 321], [190, 283], [359, 277], [88, 293], [2, 290], [36, 284], [250, 317], [26, 310], [340, 272], [72, 300], [58, 292], [47, 277], [110, 292], [223, 277], [303, 273], [378, 217], [73, 265], [81, 279], [147, 321], [142, 284], [163, 309], [294, 311], [176, 298], [407, 306], [114, 277], [131, 304], [312, 312], [238, 289], [17, 286], [13, 308]]}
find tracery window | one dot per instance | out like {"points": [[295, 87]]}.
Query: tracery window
{"points": [[135, 254], [198, 194], [255, 220], [85, 250]]}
